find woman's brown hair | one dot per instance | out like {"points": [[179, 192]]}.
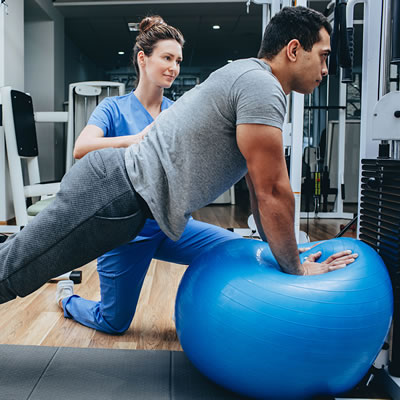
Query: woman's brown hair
{"points": [[151, 30]]}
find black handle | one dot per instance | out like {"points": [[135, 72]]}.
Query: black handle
{"points": [[396, 32], [347, 76]]}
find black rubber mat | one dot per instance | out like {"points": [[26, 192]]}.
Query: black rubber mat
{"points": [[96, 374], [49, 373], [21, 368], [188, 383], [64, 373]]}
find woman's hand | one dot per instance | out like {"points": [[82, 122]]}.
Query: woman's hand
{"points": [[134, 139], [92, 138], [145, 131], [303, 249]]}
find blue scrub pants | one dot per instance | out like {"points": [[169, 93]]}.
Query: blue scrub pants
{"points": [[122, 272]]}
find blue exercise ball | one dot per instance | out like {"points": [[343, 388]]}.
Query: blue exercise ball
{"points": [[265, 334]]}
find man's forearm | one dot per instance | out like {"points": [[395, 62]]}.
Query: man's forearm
{"points": [[276, 212], [254, 209], [259, 225]]}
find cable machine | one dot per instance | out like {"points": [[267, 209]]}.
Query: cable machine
{"points": [[379, 185]]}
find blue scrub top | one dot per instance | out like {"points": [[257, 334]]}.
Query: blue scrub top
{"points": [[121, 116]]}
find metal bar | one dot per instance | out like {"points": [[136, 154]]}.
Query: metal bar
{"points": [[134, 2]]}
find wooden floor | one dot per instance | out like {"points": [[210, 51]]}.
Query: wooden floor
{"points": [[37, 320]]}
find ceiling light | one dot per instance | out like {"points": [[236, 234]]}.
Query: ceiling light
{"points": [[133, 26], [216, 27], [121, 53]]}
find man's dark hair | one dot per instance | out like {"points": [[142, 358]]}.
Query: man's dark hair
{"points": [[301, 23]]}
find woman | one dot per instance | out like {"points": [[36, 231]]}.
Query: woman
{"points": [[120, 122]]}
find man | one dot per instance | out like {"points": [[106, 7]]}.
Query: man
{"points": [[208, 140]]}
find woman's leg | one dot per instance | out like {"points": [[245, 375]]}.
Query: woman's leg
{"points": [[95, 211], [197, 237], [121, 272]]}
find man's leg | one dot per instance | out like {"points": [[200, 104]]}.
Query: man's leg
{"points": [[95, 211], [197, 237]]}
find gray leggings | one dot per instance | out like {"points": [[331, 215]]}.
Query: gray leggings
{"points": [[96, 210]]}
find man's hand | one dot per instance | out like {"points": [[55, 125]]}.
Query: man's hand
{"points": [[332, 263]]}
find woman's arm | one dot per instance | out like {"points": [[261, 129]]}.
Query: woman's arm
{"points": [[92, 138]]}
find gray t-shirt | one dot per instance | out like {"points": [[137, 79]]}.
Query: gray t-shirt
{"points": [[190, 156]]}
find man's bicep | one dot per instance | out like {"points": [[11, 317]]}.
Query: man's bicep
{"points": [[262, 147]]}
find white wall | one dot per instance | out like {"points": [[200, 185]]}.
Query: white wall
{"points": [[39, 78], [12, 74], [14, 45], [44, 80], [32, 60]]}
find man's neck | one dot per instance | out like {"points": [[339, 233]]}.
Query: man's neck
{"points": [[279, 71]]}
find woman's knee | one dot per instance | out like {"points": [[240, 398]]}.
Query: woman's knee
{"points": [[117, 326], [118, 318]]}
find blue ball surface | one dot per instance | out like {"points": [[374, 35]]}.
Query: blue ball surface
{"points": [[266, 334]]}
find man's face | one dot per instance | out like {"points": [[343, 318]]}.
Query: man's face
{"points": [[311, 67]]}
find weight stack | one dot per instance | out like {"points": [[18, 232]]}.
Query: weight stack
{"points": [[380, 228]]}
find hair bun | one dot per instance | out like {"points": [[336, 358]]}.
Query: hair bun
{"points": [[148, 22]]}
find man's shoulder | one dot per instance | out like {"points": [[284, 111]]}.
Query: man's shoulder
{"points": [[256, 75], [249, 64], [241, 73]]}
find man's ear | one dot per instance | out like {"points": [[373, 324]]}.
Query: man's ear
{"points": [[292, 49]]}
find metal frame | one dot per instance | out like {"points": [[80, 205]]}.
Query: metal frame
{"points": [[374, 71], [86, 89], [371, 74], [135, 2], [338, 212], [19, 190]]}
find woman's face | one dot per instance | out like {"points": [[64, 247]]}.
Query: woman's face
{"points": [[163, 66]]}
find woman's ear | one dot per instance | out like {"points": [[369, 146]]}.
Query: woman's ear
{"points": [[141, 58], [291, 50]]}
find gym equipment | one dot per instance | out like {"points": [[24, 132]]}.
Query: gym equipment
{"points": [[324, 175], [380, 225], [262, 333], [30, 195], [83, 98], [331, 168], [379, 136], [396, 33], [21, 142]]}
